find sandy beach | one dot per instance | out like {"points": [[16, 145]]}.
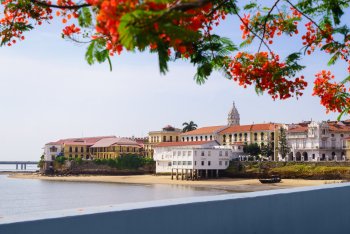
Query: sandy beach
{"points": [[237, 185]]}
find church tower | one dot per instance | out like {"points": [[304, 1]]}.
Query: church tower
{"points": [[233, 116]]}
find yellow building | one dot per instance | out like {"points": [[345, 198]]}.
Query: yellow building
{"points": [[115, 147], [79, 147], [167, 134]]}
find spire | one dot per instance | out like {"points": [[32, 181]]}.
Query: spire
{"points": [[233, 116]]}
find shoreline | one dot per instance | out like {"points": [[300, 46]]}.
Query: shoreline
{"points": [[227, 184]]}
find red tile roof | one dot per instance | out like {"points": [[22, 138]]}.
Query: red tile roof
{"points": [[106, 142], [204, 130], [298, 129], [334, 127], [182, 143], [79, 141], [251, 127]]}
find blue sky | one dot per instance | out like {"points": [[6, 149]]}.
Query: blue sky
{"points": [[49, 92]]}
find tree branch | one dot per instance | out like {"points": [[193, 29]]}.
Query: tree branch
{"points": [[266, 17]]}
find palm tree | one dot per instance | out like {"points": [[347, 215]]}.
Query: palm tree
{"points": [[189, 126]]}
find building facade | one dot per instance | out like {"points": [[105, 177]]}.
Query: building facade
{"points": [[210, 133], [167, 134], [196, 155], [111, 148], [318, 141]]}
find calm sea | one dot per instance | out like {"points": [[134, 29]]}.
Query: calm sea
{"points": [[20, 196]]}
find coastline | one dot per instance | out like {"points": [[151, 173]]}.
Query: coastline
{"points": [[228, 184]]}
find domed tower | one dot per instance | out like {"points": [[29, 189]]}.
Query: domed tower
{"points": [[233, 116]]}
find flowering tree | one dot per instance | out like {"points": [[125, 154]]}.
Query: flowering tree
{"points": [[183, 29]]}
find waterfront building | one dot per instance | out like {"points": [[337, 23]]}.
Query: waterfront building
{"points": [[196, 155], [318, 141], [167, 134], [71, 148], [111, 148], [347, 148], [209, 133]]}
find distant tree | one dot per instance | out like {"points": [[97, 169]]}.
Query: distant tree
{"points": [[283, 148], [252, 149], [267, 149], [189, 126]]}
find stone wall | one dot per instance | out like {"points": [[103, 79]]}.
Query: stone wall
{"points": [[91, 168]]}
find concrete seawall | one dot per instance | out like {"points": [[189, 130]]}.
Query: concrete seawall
{"points": [[320, 209]]}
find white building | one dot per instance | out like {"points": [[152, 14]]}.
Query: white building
{"points": [[198, 155], [323, 141], [52, 150]]}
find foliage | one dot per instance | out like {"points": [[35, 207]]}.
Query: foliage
{"points": [[283, 147], [252, 149], [60, 160], [78, 160], [267, 150], [190, 126], [184, 30], [126, 162], [41, 162]]}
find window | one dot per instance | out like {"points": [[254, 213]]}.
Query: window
{"points": [[189, 153], [255, 136], [195, 153], [53, 149], [179, 163], [171, 138], [332, 135], [189, 163], [313, 156], [183, 153], [178, 153], [235, 137], [76, 156], [262, 136], [191, 138], [184, 163], [201, 138], [76, 149], [220, 163], [220, 153], [209, 153], [188, 138], [202, 163], [202, 153], [195, 163], [211, 137], [177, 138], [169, 164], [209, 163], [341, 135], [226, 153], [206, 138], [81, 149], [164, 138], [174, 163], [226, 163]]}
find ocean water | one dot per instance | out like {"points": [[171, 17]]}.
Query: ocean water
{"points": [[23, 196]]}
